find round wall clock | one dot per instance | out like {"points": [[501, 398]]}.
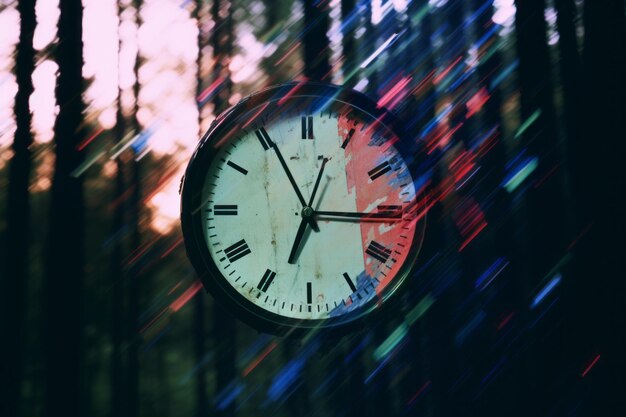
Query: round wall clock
{"points": [[301, 208]]}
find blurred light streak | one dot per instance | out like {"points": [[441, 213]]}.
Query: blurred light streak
{"points": [[285, 378], [469, 327], [546, 176], [380, 366], [260, 358], [88, 140], [476, 102], [591, 365], [365, 342], [515, 180], [295, 46], [421, 308], [171, 248], [214, 87], [439, 77], [580, 235], [493, 370], [545, 291], [80, 170], [186, 296], [491, 273], [527, 123], [503, 74], [395, 94], [543, 313], [230, 393], [505, 321], [418, 392], [391, 342], [380, 49]]}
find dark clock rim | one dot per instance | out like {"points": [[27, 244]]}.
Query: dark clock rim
{"points": [[195, 175]]}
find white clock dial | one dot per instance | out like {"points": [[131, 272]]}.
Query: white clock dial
{"points": [[300, 210], [252, 214]]}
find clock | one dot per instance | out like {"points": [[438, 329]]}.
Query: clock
{"points": [[301, 208]]}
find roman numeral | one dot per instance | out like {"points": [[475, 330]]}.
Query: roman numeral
{"points": [[225, 210], [237, 250], [307, 127], [237, 167], [378, 251], [267, 279], [347, 140], [349, 281], [379, 170], [309, 293], [264, 138], [391, 210]]}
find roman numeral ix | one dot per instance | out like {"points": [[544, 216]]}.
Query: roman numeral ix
{"points": [[237, 250], [378, 251]]}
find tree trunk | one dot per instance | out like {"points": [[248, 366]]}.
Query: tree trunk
{"points": [[134, 270], [600, 252], [64, 260], [199, 324], [13, 286], [350, 21], [316, 43]]}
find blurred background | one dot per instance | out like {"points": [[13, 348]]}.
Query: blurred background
{"points": [[516, 304]]}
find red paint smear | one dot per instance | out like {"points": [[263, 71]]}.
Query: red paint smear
{"points": [[86, 142], [591, 365], [362, 158], [419, 391], [260, 358], [186, 296]]}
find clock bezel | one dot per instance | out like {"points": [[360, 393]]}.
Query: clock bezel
{"points": [[195, 176]]}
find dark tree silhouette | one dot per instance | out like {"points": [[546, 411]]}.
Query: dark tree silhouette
{"points": [[117, 261], [600, 252], [350, 22], [65, 253], [15, 271], [224, 330], [199, 326], [133, 274], [315, 40]]}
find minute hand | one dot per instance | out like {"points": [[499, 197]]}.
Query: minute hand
{"points": [[359, 215]]}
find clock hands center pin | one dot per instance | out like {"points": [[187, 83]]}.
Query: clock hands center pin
{"points": [[307, 216]]}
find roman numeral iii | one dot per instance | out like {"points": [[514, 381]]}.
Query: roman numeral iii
{"points": [[378, 251]]}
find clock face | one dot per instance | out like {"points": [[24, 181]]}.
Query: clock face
{"points": [[300, 208]]}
